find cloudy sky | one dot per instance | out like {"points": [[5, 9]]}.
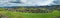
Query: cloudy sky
{"points": [[29, 2]]}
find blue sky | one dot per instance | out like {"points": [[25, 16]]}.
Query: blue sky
{"points": [[29, 2]]}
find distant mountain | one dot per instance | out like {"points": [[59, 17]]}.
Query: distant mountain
{"points": [[52, 6]]}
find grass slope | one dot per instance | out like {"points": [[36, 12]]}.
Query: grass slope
{"points": [[30, 15]]}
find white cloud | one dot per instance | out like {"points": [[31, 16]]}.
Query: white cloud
{"points": [[26, 2]]}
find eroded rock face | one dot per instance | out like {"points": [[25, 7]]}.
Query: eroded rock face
{"points": [[3, 16], [56, 17]]}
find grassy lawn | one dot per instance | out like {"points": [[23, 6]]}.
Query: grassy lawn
{"points": [[30, 15]]}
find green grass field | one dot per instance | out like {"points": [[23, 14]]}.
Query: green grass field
{"points": [[30, 15]]}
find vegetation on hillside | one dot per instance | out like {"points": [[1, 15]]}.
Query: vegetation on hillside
{"points": [[30, 12]]}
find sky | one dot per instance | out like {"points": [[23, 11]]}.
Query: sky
{"points": [[29, 2], [57, 2]]}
